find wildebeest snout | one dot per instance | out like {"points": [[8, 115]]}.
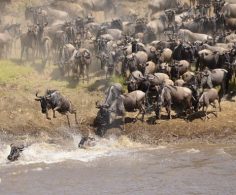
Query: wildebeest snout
{"points": [[15, 152]]}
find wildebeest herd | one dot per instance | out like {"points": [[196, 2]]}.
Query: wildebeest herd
{"points": [[176, 55]]}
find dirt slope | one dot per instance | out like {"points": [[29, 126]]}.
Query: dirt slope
{"points": [[20, 113]]}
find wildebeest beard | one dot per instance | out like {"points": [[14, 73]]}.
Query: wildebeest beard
{"points": [[44, 104], [102, 121]]}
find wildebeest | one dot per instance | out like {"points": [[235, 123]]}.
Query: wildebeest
{"points": [[207, 98], [44, 44], [187, 35], [215, 77], [29, 41], [229, 10], [8, 38], [81, 59], [212, 60], [55, 101], [183, 51], [117, 104], [107, 6], [158, 5], [86, 142], [15, 152], [65, 54], [169, 95], [179, 68]]}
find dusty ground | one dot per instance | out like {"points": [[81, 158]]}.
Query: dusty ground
{"points": [[20, 113]]}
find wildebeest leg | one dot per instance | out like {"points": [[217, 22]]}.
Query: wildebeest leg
{"points": [[81, 71], [168, 110], [47, 117], [68, 120], [22, 52], [76, 121], [214, 106], [206, 115], [27, 53], [87, 72], [123, 121], [141, 110], [54, 114], [219, 104]]}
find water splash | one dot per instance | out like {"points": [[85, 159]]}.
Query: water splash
{"points": [[43, 152], [193, 151]]}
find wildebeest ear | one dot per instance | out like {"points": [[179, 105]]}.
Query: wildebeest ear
{"points": [[98, 105]]}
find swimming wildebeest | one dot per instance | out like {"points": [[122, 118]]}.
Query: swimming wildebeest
{"points": [[86, 142], [15, 152], [55, 101]]}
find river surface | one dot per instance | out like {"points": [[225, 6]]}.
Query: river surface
{"points": [[119, 166]]}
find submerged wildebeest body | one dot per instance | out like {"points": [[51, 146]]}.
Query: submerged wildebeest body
{"points": [[86, 142], [15, 152], [55, 101]]}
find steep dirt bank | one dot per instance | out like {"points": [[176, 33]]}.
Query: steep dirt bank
{"points": [[21, 115]]}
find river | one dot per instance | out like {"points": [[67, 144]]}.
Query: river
{"points": [[119, 166]]}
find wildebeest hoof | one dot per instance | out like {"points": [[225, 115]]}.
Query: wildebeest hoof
{"points": [[48, 118]]}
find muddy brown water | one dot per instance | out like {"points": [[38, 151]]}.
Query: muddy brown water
{"points": [[119, 166]]}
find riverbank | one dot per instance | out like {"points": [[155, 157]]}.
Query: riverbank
{"points": [[21, 114]]}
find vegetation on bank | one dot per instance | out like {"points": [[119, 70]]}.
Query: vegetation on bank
{"points": [[10, 72]]}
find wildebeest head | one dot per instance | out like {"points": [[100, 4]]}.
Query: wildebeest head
{"points": [[15, 152], [43, 101], [113, 93], [131, 62], [132, 84], [102, 119], [206, 79]]}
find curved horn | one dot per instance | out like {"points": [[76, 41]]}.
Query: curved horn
{"points": [[38, 97], [37, 92]]}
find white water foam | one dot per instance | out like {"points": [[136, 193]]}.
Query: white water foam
{"points": [[193, 151], [53, 153]]}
